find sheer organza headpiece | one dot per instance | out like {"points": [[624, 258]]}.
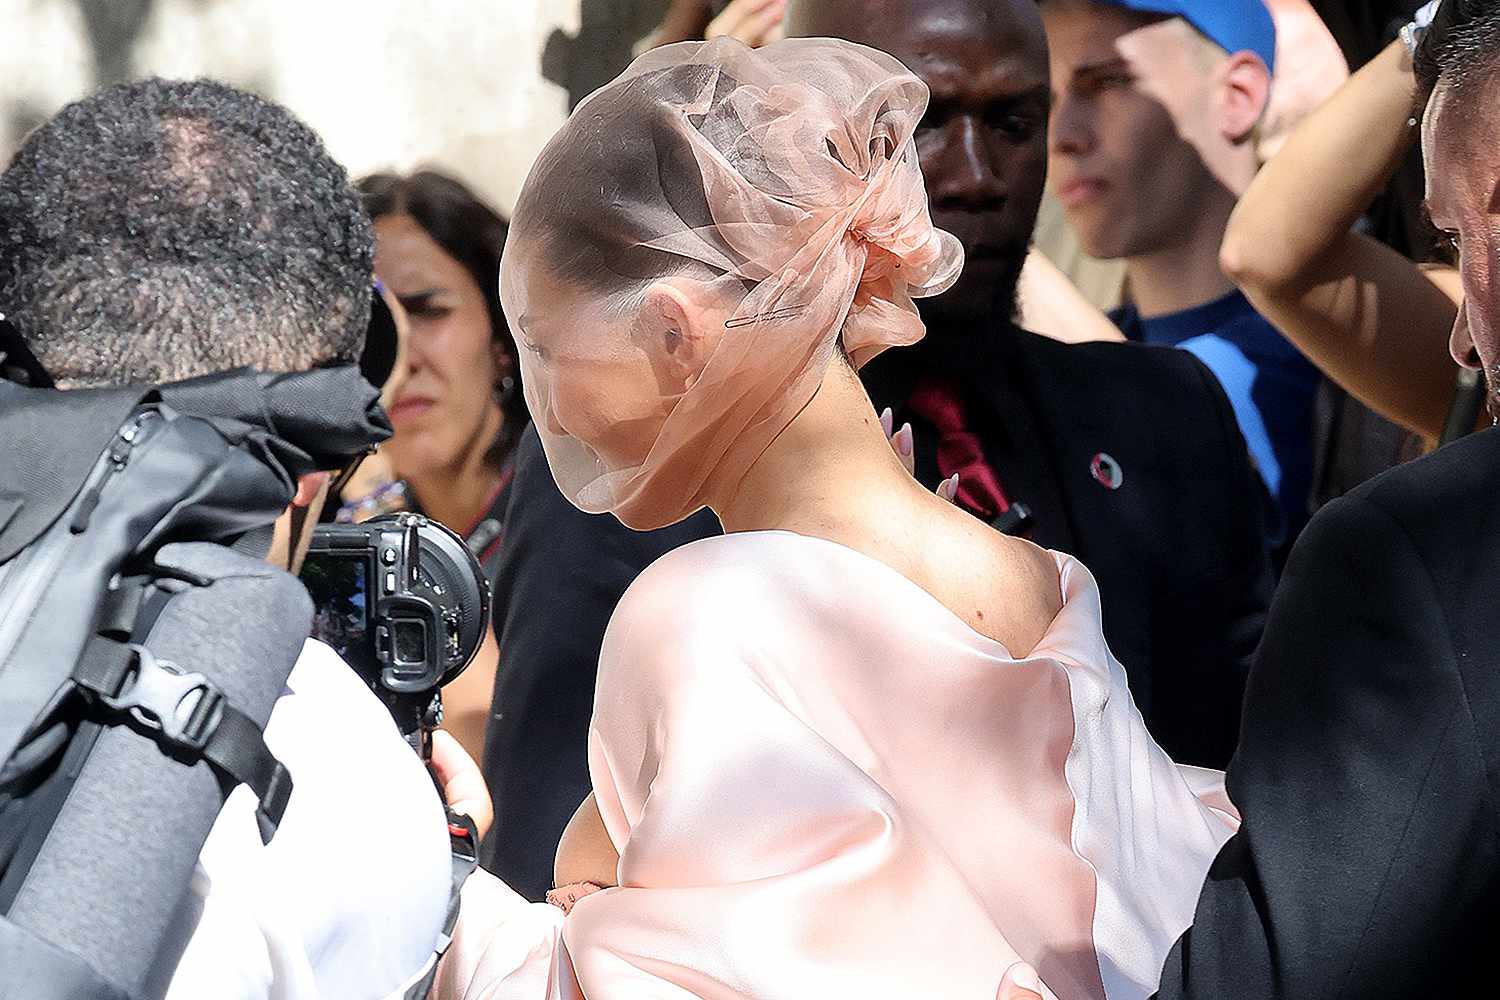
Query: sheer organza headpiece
{"points": [[788, 178]]}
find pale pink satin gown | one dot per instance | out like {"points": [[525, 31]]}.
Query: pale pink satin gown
{"points": [[823, 783]]}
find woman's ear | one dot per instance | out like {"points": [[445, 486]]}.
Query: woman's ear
{"points": [[679, 326], [1243, 93]]}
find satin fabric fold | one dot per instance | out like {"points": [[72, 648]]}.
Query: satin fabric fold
{"points": [[823, 783]]}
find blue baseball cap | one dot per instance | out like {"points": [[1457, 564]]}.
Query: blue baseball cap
{"points": [[1233, 25]]}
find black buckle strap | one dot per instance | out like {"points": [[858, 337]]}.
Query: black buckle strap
{"points": [[159, 697], [187, 714], [238, 748], [128, 611]]}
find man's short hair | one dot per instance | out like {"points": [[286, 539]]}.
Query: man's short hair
{"points": [[1463, 44], [161, 229]]}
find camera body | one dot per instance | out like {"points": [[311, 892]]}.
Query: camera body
{"points": [[405, 603]]}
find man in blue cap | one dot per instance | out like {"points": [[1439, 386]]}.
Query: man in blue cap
{"points": [[1153, 134]]}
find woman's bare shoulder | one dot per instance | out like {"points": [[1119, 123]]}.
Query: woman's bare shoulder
{"points": [[1002, 587]]}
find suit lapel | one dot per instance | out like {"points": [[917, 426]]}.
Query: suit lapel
{"points": [[1021, 444], [1100, 444]]}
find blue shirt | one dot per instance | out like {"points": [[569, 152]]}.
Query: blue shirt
{"points": [[1269, 383]]}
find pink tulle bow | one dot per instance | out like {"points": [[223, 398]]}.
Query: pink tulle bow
{"points": [[905, 257]]}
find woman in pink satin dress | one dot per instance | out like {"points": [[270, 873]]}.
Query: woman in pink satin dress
{"points": [[862, 745]]}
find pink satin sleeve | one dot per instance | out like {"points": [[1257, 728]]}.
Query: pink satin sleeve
{"points": [[503, 948], [821, 783]]}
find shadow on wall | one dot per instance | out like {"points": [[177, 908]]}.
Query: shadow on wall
{"points": [[607, 29], [113, 27], [20, 118]]}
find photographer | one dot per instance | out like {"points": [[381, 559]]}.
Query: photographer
{"points": [[158, 231]]}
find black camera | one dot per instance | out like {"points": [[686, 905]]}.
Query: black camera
{"points": [[405, 603]]}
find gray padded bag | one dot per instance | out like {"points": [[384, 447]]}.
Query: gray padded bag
{"points": [[108, 882], [143, 643]]}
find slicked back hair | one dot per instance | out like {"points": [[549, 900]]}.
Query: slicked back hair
{"points": [[1462, 46], [586, 190], [158, 230]]}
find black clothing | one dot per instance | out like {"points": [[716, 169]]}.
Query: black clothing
{"points": [[486, 537], [1369, 859], [561, 574], [1363, 29], [1177, 550], [1270, 384], [1183, 579], [1353, 444]]}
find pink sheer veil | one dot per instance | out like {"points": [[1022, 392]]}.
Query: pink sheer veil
{"points": [[786, 176]]}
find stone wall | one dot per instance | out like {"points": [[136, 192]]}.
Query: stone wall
{"points": [[472, 86]]}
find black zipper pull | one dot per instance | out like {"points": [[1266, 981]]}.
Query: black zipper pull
{"points": [[118, 456]]}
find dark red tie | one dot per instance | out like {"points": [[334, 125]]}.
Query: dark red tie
{"points": [[939, 402]]}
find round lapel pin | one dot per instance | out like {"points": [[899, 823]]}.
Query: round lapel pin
{"points": [[1106, 471]]}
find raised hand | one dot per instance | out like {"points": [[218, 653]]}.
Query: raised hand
{"points": [[754, 22]]}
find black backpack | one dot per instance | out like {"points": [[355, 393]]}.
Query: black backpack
{"points": [[143, 643]]}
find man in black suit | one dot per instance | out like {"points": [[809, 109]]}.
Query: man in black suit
{"points": [[1368, 862], [1126, 456]]}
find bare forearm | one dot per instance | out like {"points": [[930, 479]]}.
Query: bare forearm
{"points": [[1377, 325], [1368, 317], [1054, 307], [1330, 170]]}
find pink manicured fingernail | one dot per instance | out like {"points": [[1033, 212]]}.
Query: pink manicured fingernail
{"points": [[903, 441], [887, 419]]}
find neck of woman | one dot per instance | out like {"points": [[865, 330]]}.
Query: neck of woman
{"points": [[830, 474], [459, 494]]}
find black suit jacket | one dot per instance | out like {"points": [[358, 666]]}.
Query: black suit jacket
{"points": [[561, 574], [1369, 767], [1177, 552]]}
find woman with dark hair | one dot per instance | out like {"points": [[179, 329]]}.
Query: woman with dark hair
{"points": [[461, 410]]}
